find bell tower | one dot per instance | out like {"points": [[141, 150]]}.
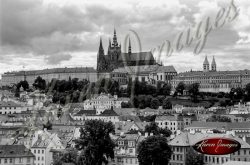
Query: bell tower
{"points": [[206, 65]]}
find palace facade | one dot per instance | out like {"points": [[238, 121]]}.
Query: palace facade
{"points": [[211, 80], [88, 73]]}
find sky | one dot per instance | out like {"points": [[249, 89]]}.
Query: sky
{"points": [[40, 34]]}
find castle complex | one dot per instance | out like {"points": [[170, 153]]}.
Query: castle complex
{"points": [[213, 80], [121, 66]]}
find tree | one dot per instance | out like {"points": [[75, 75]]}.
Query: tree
{"points": [[166, 89], [194, 158], [155, 103], [68, 156], [193, 90], [154, 150], [218, 118], [95, 143], [247, 91], [239, 92], [180, 88], [166, 104], [39, 83], [156, 130]]}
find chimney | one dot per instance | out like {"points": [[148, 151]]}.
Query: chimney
{"points": [[151, 134], [146, 134]]}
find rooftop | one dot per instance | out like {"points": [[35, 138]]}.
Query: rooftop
{"points": [[13, 151], [53, 70]]}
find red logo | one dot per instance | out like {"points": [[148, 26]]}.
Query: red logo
{"points": [[217, 146]]}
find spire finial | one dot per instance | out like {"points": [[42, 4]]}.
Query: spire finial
{"points": [[115, 39]]}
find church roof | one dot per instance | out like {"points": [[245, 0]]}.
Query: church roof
{"points": [[145, 69], [139, 56], [213, 62], [206, 61]]}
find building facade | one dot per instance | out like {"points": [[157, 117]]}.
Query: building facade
{"points": [[15, 155], [88, 73], [213, 80], [144, 73]]}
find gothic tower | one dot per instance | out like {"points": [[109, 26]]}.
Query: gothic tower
{"points": [[213, 65], [115, 49], [101, 63], [206, 65]]}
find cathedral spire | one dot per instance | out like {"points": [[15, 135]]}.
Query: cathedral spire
{"points": [[100, 46], [115, 39], [101, 50], [109, 48], [213, 65], [129, 46], [109, 42]]}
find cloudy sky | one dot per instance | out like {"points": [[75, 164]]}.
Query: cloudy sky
{"points": [[39, 34]]}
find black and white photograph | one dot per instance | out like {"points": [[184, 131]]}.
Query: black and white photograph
{"points": [[129, 82]]}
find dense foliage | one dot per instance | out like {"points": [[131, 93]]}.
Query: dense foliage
{"points": [[95, 143], [154, 150]]}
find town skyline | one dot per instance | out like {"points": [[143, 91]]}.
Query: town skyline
{"points": [[70, 40]]}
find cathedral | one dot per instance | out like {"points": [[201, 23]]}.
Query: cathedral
{"points": [[115, 58]]}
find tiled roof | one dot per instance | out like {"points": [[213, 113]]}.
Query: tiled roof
{"points": [[129, 137], [93, 113], [129, 117], [125, 111], [86, 112], [13, 151], [140, 56], [217, 73], [224, 125], [163, 118], [110, 112], [9, 104]]}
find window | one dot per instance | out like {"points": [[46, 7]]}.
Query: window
{"points": [[10, 160], [20, 160], [130, 150], [5, 161], [39, 151], [28, 160], [34, 151]]}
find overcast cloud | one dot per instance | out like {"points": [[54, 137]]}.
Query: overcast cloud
{"points": [[41, 34]]}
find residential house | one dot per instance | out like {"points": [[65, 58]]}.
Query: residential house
{"points": [[10, 107], [42, 143], [175, 122], [103, 101], [106, 115], [16, 155], [126, 150]]}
